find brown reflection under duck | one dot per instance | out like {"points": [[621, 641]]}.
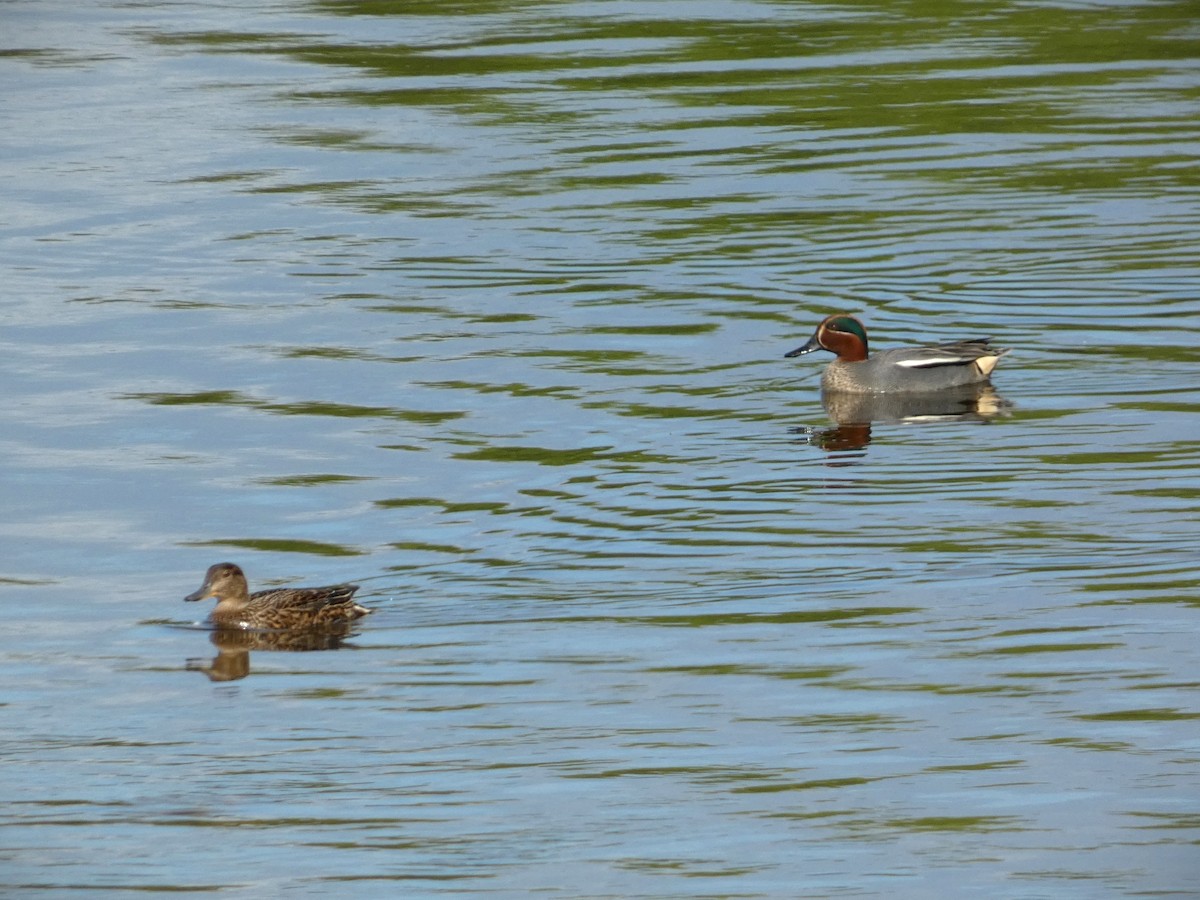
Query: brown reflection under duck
{"points": [[276, 609], [969, 403], [855, 413], [232, 661]]}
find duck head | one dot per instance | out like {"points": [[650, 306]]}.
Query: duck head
{"points": [[224, 581], [840, 334]]}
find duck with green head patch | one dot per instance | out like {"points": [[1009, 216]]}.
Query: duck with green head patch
{"points": [[277, 609], [902, 370]]}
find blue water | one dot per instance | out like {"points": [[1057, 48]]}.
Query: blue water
{"points": [[483, 307]]}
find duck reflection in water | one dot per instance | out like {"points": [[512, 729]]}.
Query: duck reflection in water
{"points": [[232, 661], [855, 413], [289, 619]]}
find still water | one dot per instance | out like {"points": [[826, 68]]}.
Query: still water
{"points": [[483, 307]]}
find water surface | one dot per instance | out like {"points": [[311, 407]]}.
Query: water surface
{"points": [[483, 307]]}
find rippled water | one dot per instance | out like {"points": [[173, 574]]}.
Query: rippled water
{"points": [[483, 306]]}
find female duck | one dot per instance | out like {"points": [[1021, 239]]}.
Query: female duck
{"points": [[278, 609], [902, 370]]}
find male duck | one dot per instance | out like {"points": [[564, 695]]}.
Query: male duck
{"points": [[278, 609], [903, 370]]}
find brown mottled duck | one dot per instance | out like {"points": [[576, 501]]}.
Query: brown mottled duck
{"points": [[276, 609]]}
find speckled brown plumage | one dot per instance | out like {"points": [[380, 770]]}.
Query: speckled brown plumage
{"points": [[277, 609]]}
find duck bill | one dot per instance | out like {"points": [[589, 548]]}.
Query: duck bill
{"points": [[201, 594], [811, 347]]}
